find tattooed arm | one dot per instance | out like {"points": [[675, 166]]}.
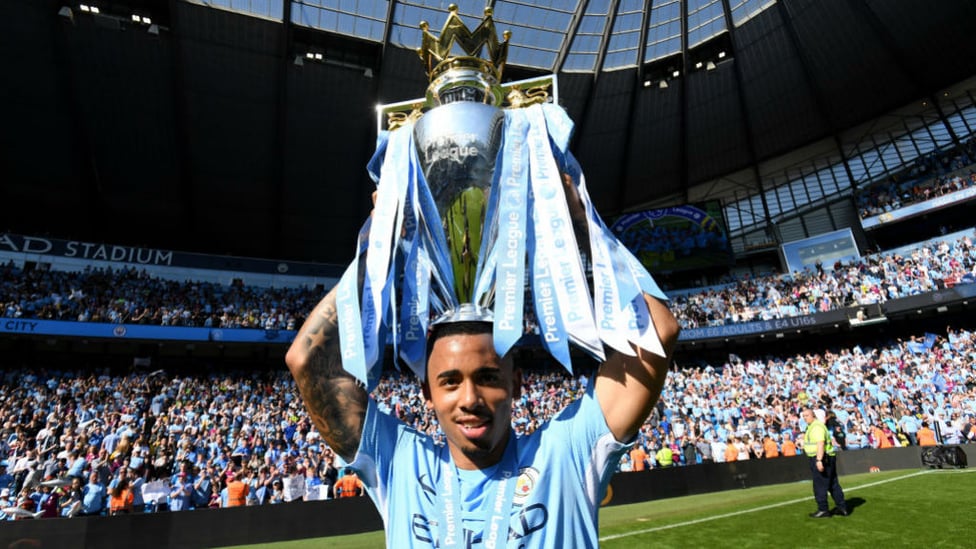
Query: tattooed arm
{"points": [[335, 401]]}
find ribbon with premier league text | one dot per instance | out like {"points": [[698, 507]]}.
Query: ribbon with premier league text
{"points": [[508, 253]]}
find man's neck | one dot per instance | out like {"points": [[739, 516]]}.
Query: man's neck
{"points": [[481, 460]]}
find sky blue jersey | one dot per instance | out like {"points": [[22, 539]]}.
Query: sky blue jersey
{"points": [[563, 471]]}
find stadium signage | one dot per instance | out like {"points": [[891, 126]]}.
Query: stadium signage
{"points": [[747, 328], [957, 294], [85, 250], [104, 330], [19, 325], [18, 246]]}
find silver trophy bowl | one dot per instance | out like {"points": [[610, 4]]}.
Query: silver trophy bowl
{"points": [[457, 145]]}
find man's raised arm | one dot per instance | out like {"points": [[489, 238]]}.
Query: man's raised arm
{"points": [[335, 401], [627, 388]]}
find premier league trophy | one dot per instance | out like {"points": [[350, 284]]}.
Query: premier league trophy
{"points": [[471, 216]]}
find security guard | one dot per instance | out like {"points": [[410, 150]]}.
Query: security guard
{"points": [[348, 484], [664, 456], [819, 448]]}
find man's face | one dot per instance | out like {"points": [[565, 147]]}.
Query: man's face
{"points": [[807, 416], [471, 388]]}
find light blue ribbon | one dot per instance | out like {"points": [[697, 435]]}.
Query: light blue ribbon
{"points": [[349, 319], [618, 277], [552, 332], [430, 227], [390, 195], [415, 312], [498, 511], [375, 165], [509, 257], [554, 231]]}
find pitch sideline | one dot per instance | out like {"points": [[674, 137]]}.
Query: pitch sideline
{"points": [[765, 507]]}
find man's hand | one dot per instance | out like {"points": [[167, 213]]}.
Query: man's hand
{"points": [[577, 213]]}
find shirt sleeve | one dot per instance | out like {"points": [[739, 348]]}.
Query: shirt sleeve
{"points": [[592, 447], [381, 435]]}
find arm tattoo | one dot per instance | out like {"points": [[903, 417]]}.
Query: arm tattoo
{"points": [[335, 400]]}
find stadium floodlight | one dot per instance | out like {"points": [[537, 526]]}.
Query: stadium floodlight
{"points": [[136, 18], [710, 66], [663, 84], [146, 21], [66, 12], [84, 7]]}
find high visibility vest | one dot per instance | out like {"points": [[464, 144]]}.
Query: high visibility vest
{"points": [[810, 439], [348, 486], [237, 494]]}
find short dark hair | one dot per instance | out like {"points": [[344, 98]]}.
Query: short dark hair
{"points": [[466, 327]]}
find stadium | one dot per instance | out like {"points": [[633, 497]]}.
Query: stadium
{"points": [[185, 179]]}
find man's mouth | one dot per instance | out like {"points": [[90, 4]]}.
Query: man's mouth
{"points": [[474, 428]]}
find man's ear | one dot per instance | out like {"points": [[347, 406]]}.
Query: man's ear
{"points": [[425, 389], [516, 382]]}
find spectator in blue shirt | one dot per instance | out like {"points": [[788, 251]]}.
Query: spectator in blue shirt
{"points": [[909, 425], [181, 493], [93, 496], [6, 479], [78, 464]]}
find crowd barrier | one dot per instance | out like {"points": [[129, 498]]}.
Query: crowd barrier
{"points": [[313, 519]]}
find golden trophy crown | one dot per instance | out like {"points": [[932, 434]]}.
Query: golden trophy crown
{"points": [[436, 51], [466, 65], [450, 72]]}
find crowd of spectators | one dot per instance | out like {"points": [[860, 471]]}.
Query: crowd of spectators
{"points": [[127, 295], [132, 296], [931, 175], [77, 443], [893, 196], [874, 278], [177, 442]]}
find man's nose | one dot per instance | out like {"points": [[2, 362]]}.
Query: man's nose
{"points": [[470, 395]]}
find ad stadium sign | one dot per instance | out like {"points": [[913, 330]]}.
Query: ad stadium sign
{"points": [[39, 247], [84, 250]]}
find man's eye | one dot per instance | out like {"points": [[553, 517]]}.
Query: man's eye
{"points": [[490, 378]]}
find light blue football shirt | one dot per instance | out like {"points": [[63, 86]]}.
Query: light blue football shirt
{"points": [[563, 471]]}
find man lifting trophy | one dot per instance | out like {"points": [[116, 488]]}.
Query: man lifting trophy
{"points": [[480, 214]]}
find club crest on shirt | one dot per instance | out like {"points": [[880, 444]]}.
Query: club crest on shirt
{"points": [[528, 478]]}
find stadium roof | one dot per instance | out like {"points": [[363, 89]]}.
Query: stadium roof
{"points": [[243, 127]]}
